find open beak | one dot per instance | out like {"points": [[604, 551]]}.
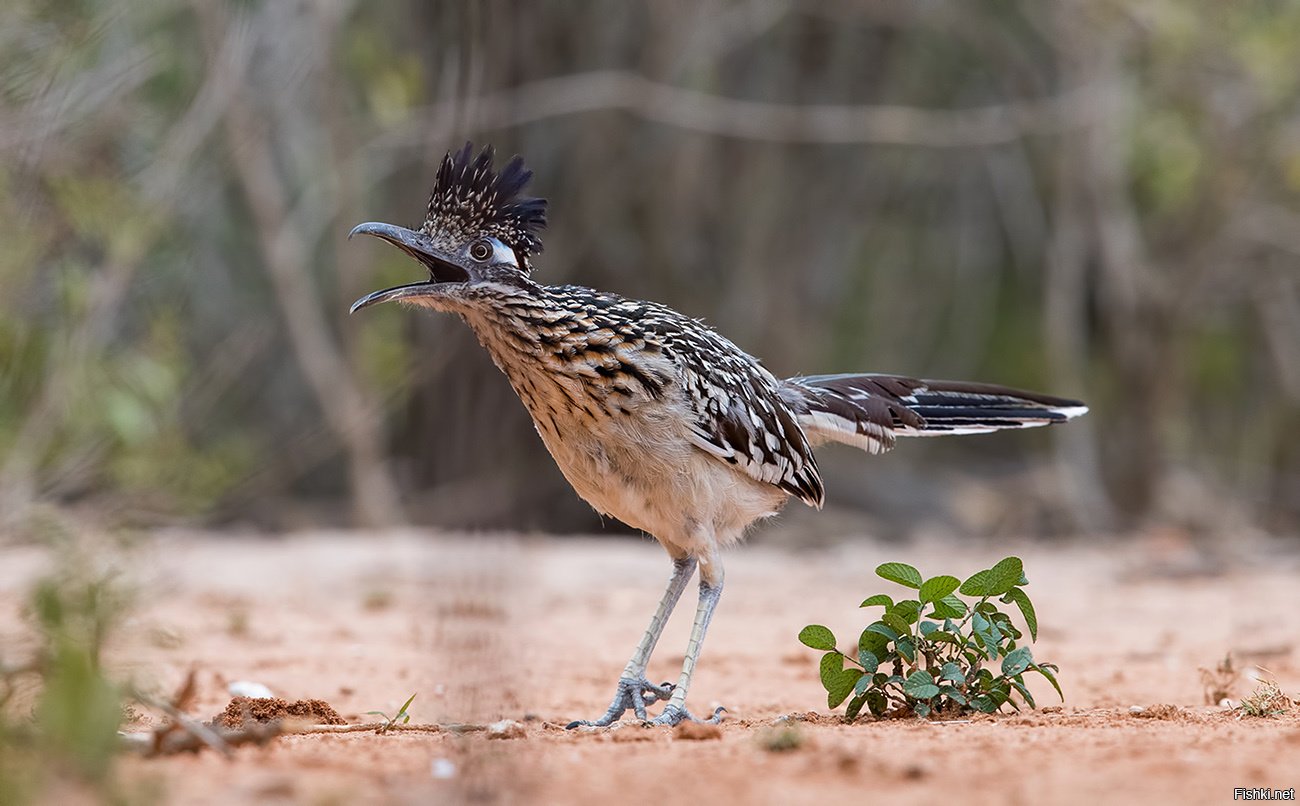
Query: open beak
{"points": [[442, 266]]}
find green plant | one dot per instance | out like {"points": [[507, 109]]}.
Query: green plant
{"points": [[401, 717], [912, 661], [59, 707]]}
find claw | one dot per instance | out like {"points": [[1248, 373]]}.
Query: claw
{"points": [[633, 694]]}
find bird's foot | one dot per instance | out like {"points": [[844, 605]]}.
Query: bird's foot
{"points": [[674, 714], [633, 694]]}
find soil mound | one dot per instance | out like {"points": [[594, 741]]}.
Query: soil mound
{"points": [[269, 710]]}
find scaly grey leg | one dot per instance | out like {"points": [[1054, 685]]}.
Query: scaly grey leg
{"points": [[634, 691], [675, 711]]}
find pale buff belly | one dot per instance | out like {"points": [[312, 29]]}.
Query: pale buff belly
{"points": [[641, 469]]}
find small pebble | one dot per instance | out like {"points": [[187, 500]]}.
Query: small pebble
{"points": [[505, 729], [251, 690], [443, 768]]}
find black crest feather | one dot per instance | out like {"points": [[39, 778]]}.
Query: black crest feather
{"points": [[471, 199]]}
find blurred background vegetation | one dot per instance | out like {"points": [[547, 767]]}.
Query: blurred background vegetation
{"points": [[1092, 198]]}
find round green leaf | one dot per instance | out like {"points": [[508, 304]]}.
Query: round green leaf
{"points": [[935, 588], [920, 685], [1016, 661], [878, 599], [902, 573], [873, 642], [949, 607], [952, 671], [898, 623], [907, 609], [1000, 691], [952, 694], [979, 583], [1006, 575], [841, 686], [881, 628], [984, 703], [868, 659], [817, 637], [864, 683], [832, 663]]}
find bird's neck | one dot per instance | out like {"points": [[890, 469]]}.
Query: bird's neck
{"points": [[560, 346], [512, 324], [529, 335]]}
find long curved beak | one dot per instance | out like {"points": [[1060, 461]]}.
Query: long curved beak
{"points": [[441, 265]]}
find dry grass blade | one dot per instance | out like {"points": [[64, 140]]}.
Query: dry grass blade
{"points": [[1267, 700]]}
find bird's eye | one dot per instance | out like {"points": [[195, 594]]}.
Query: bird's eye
{"points": [[481, 250]]}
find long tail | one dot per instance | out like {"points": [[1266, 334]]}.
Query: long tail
{"points": [[869, 411]]}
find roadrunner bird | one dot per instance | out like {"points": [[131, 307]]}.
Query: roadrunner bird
{"points": [[652, 416]]}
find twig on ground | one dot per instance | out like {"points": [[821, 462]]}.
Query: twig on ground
{"points": [[194, 736], [384, 727], [187, 736], [192, 732]]}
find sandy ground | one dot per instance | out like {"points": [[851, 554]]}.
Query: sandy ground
{"points": [[537, 629]]}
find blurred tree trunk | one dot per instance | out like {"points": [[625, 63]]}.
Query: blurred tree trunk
{"points": [[356, 421]]}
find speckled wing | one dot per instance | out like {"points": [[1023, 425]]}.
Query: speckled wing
{"points": [[740, 417]]}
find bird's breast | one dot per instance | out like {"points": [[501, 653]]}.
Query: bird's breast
{"points": [[616, 417]]}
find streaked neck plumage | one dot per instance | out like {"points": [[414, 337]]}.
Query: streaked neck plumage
{"points": [[564, 347]]}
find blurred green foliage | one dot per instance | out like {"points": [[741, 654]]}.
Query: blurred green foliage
{"points": [[1107, 211], [65, 741]]}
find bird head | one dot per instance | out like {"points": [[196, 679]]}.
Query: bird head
{"points": [[478, 230]]}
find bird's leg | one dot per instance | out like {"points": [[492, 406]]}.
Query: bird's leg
{"points": [[634, 690], [710, 592]]}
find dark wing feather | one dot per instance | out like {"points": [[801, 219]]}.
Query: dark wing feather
{"points": [[740, 415], [865, 411], [869, 411]]}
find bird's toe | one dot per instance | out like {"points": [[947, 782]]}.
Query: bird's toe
{"points": [[633, 694]]}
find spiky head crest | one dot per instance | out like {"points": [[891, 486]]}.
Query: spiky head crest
{"points": [[471, 200]]}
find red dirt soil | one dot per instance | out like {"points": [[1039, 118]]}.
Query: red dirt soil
{"points": [[245, 709], [536, 630]]}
